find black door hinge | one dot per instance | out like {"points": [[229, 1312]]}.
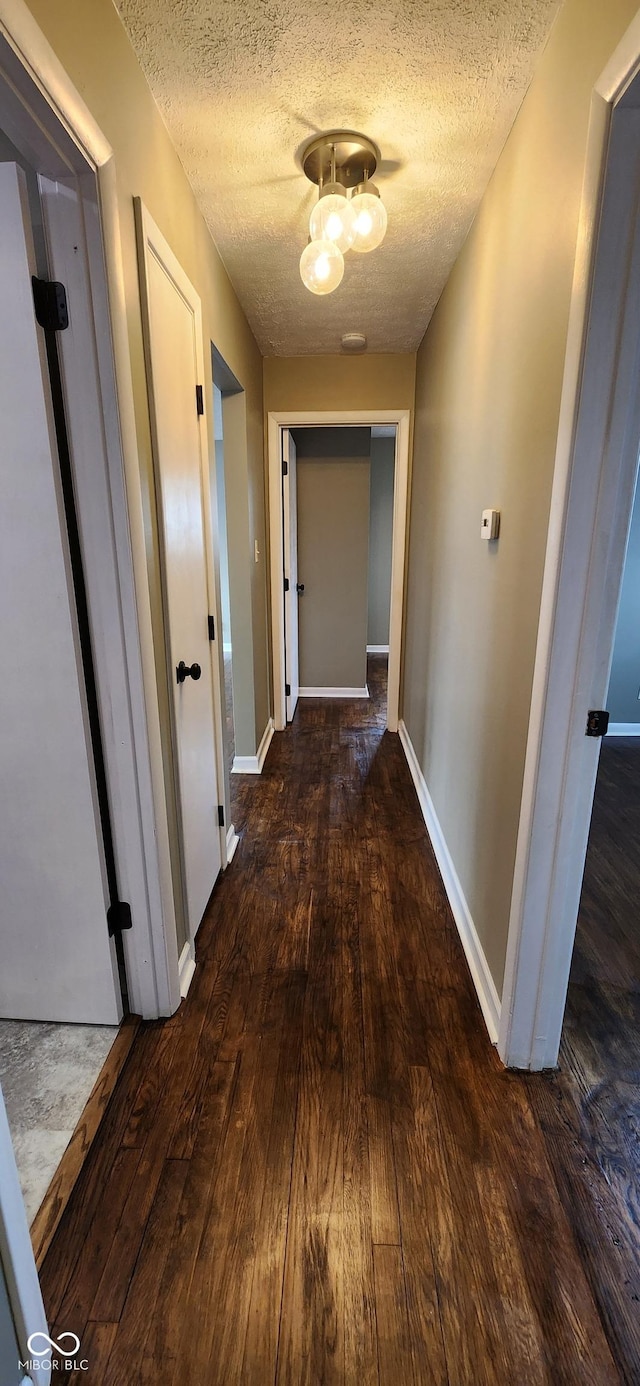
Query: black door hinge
{"points": [[285, 467], [119, 917], [597, 723], [212, 627], [50, 302], [286, 584], [199, 400], [287, 690], [220, 815]]}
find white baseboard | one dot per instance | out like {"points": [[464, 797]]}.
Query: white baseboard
{"points": [[232, 843], [334, 692], [186, 968], [377, 649], [624, 729], [252, 765], [478, 965]]}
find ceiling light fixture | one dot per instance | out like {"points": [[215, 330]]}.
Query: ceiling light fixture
{"points": [[340, 163], [321, 266]]}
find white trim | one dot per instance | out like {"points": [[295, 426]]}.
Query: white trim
{"points": [[16, 1252], [474, 952], [150, 948], [252, 765], [186, 967], [153, 243], [594, 479], [338, 418], [334, 692], [377, 649], [232, 843], [623, 729]]}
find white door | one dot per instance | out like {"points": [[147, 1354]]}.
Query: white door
{"points": [[291, 593], [58, 962], [174, 337]]}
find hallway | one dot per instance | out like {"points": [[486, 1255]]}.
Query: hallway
{"points": [[318, 1170]]}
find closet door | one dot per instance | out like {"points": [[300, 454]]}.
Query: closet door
{"points": [[58, 962]]}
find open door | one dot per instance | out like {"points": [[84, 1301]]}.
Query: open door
{"points": [[176, 375], [58, 962], [292, 587]]}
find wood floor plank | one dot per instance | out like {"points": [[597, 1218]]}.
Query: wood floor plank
{"points": [[317, 1171], [208, 1279], [142, 1301], [394, 1353], [95, 1349], [500, 1123], [263, 1319], [311, 1345], [167, 1330], [76, 1304]]}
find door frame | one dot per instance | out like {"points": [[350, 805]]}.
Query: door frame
{"points": [[16, 1252], [151, 241], [48, 108], [592, 497], [328, 418]]}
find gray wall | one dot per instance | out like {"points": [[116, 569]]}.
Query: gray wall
{"points": [[333, 555], [9, 1356], [622, 700], [380, 539]]}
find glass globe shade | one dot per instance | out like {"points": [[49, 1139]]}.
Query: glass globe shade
{"points": [[333, 219], [321, 266], [371, 221]]}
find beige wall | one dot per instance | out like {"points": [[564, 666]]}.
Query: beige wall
{"points": [[92, 46], [333, 555], [380, 539], [489, 377], [339, 382]]}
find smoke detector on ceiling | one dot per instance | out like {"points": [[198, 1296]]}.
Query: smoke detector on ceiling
{"points": [[354, 342]]}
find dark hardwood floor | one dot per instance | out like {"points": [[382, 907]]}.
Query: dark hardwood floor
{"points": [[590, 1110], [318, 1171]]}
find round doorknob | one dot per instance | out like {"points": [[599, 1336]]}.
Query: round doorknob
{"points": [[187, 671], [299, 587]]}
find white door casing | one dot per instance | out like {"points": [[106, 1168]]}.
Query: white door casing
{"points": [[284, 420], [290, 520], [58, 962], [173, 331]]}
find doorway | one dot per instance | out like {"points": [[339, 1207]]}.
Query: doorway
{"points": [[338, 532], [63, 977], [282, 528], [592, 503]]}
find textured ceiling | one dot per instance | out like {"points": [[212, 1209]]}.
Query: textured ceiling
{"points": [[243, 84]]}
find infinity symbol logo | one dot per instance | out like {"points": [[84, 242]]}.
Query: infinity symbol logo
{"points": [[57, 1347]]}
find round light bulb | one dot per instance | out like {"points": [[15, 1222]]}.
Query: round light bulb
{"points": [[333, 219], [321, 266], [371, 221]]}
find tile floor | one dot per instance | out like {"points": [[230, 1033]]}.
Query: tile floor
{"points": [[47, 1072]]}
